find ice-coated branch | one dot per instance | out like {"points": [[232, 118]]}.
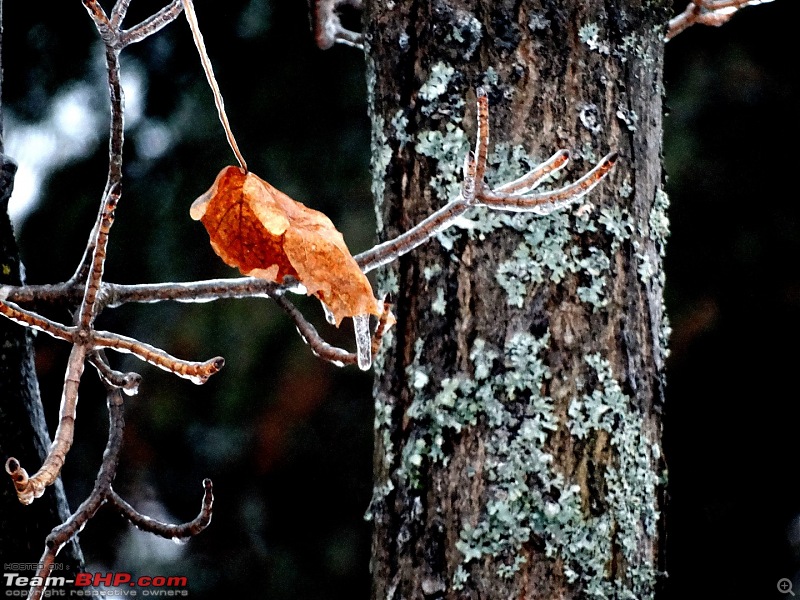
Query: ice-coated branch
{"points": [[152, 24], [30, 488], [707, 12], [513, 196], [101, 21], [328, 29], [179, 531], [89, 276], [30, 319], [114, 294], [324, 350], [127, 382], [118, 13], [61, 534], [196, 372]]}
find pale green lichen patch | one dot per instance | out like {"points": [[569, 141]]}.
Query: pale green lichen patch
{"points": [[379, 160], [381, 151], [538, 22], [400, 127], [448, 148], [527, 496], [659, 221], [625, 189], [632, 482], [429, 271], [434, 97], [436, 85], [439, 304], [628, 116], [467, 32], [589, 34]]}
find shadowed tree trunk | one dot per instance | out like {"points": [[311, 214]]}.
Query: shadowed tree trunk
{"points": [[23, 432], [518, 411]]}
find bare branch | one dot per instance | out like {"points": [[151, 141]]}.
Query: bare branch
{"points": [[107, 33], [127, 382], [118, 13], [167, 530], [100, 243], [112, 190], [191, 291], [196, 372], [30, 488], [512, 196], [546, 202], [324, 350], [62, 534], [707, 12], [328, 28], [310, 336], [30, 319], [152, 24], [114, 294]]}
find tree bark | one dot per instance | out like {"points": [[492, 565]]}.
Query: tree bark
{"points": [[23, 431], [518, 403]]}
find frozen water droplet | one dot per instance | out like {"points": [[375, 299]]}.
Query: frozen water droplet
{"points": [[181, 541], [363, 341], [131, 384], [328, 314]]}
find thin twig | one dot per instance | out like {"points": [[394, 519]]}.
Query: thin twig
{"points": [[127, 382], [482, 139], [30, 319], [196, 372], [707, 12], [100, 244], [104, 28], [328, 28], [310, 336], [546, 202], [152, 24], [29, 488], [118, 13], [167, 530]]}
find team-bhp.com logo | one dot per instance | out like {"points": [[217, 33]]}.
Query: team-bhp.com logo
{"points": [[120, 584]]}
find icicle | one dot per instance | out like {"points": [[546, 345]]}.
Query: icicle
{"points": [[363, 341], [328, 314]]}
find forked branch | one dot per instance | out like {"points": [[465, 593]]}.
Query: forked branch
{"points": [[518, 195]]}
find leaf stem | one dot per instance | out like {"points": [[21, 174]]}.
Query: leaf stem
{"points": [[191, 17]]}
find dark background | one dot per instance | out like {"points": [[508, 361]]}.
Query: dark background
{"points": [[286, 438]]}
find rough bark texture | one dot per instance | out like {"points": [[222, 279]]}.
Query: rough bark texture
{"points": [[23, 431], [518, 403]]}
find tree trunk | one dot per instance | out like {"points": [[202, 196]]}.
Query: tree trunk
{"points": [[518, 405], [23, 431]]}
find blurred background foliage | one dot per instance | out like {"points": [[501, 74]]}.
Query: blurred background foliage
{"points": [[287, 438]]}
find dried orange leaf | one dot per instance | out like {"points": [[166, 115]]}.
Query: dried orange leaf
{"points": [[266, 234]]}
